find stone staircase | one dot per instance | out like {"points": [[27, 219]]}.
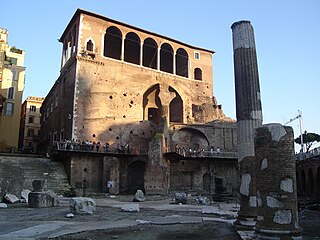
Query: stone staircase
{"points": [[18, 171]]}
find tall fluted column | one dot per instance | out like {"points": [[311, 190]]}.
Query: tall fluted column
{"points": [[249, 117]]}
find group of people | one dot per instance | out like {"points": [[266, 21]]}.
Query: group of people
{"points": [[196, 152], [77, 145]]}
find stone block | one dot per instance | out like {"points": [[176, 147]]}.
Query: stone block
{"points": [[180, 198], [131, 208], [139, 196], [25, 195], [38, 185], [42, 199], [287, 185], [11, 198], [82, 205], [245, 184], [3, 205]]}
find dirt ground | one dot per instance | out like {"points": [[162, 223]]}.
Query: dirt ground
{"points": [[19, 216]]}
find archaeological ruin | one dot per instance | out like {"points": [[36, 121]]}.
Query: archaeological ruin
{"points": [[133, 109]]}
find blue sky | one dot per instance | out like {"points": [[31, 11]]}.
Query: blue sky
{"points": [[287, 37]]}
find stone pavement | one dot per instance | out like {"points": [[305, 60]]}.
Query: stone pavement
{"points": [[49, 223]]}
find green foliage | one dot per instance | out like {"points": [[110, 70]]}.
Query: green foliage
{"points": [[308, 139], [15, 50]]}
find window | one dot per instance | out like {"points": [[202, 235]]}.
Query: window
{"points": [[132, 48], [30, 133], [11, 93], [166, 58], [31, 119], [14, 75], [196, 55], [89, 46], [33, 108], [14, 61], [182, 62], [112, 43], [197, 74], [9, 109], [150, 53]]}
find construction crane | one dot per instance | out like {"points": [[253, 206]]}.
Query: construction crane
{"points": [[300, 127]]}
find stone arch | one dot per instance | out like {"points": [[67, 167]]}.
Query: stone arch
{"points": [[318, 181], [166, 58], [132, 48], [150, 53], [182, 60], [113, 43], [135, 180], [304, 181], [310, 182], [197, 74], [190, 138], [176, 108], [152, 107]]}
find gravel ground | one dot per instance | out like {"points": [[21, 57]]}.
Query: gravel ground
{"points": [[19, 216]]}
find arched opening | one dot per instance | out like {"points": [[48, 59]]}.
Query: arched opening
{"points": [[304, 182], [166, 58], [89, 46], [218, 182], [112, 43], [152, 107], [150, 53], [190, 138], [182, 63], [197, 74], [176, 108], [132, 48], [310, 182], [206, 182], [318, 181], [136, 172]]}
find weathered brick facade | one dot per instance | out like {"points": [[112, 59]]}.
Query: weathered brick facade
{"points": [[126, 86]]}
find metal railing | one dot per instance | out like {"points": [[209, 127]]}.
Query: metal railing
{"points": [[205, 153], [311, 154], [98, 148]]}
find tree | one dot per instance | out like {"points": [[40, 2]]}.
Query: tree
{"points": [[308, 139]]}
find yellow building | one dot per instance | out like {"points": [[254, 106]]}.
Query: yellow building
{"points": [[12, 74], [30, 124]]}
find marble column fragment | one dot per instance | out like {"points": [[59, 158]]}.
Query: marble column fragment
{"points": [[277, 210], [249, 116]]}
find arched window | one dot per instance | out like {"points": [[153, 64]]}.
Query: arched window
{"points": [[150, 53], [89, 46], [152, 104], [112, 43], [132, 48], [176, 108], [304, 182], [310, 182], [166, 58], [182, 63], [318, 181], [197, 74]]}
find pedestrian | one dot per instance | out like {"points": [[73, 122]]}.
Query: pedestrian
{"points": [[98, 146], [218, 150]]}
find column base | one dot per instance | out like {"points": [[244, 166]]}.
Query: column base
{"points": [[272, 234]]}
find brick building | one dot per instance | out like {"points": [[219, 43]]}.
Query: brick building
{"points": [[144, 92], [30, 124]]}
